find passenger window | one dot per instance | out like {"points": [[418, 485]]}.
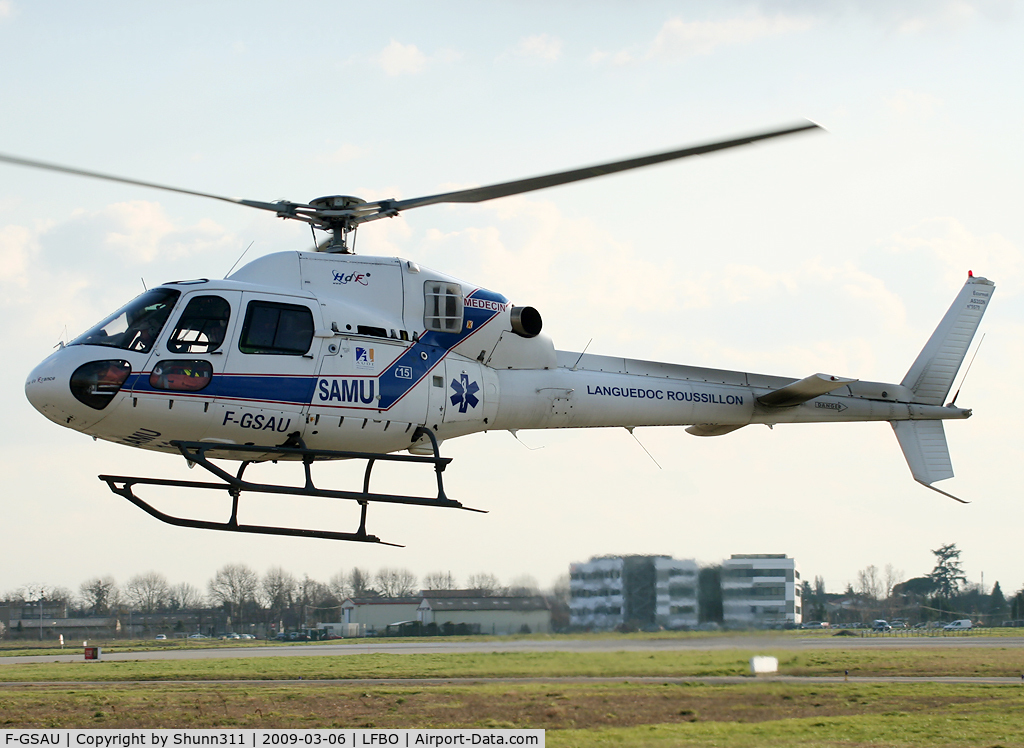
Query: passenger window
{"points": [[278, 329], [202, 326], [185, 376], [442, 304]]}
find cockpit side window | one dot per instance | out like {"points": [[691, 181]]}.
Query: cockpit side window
{"points": [[202, 326], [135, 326], [277, 329], [442, 306]]}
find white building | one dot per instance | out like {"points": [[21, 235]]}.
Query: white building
{"points": [[760, 589], [499, 616], [644, 591], [375, 614], [676, 589], [595, 593]]}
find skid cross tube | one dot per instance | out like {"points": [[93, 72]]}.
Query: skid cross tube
{"points": [[197, 453]]}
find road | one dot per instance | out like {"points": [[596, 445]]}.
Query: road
{"points": [[750, 642]]}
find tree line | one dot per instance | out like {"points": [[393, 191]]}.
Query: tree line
{"points": [[246, 596], [938, 595]]}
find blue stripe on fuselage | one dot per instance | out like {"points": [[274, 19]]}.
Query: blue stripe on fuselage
{"points": [[278, 389]]}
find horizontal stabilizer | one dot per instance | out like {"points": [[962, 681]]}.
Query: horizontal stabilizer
{"points": [[711, 429], [924, 445], [802, 391], [931, 375]]}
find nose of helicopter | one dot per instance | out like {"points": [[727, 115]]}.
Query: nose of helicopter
{"points": [[47, 388], [50, 389]]}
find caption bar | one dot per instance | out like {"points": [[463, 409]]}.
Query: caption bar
{"points": [[268, 738]]}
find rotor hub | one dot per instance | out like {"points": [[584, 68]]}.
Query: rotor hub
{"points": [[337, 213], [337, 202]]}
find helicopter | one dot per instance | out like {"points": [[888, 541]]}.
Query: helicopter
{"points": [[325, 355]]}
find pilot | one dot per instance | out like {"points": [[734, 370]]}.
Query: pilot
{"points": [[142, 333]]}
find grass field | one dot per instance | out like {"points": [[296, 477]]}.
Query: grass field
{"points": [[654, 712]]}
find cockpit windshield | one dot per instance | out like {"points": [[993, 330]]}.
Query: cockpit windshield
{"points": [[135, 326]]}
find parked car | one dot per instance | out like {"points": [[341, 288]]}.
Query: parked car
{"points": [[880, 625], [161, 637], [198, 636], [962, 625]]}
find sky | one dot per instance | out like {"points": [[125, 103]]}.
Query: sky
{"points": [[831, 252]]}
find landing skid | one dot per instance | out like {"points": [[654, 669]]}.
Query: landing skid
{"points": [[196, 452]]}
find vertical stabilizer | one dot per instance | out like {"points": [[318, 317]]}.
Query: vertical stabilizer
{"points": [[924, 445], [931, 376]]}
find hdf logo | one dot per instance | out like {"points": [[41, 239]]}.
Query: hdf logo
{"points": [[340, 279]]}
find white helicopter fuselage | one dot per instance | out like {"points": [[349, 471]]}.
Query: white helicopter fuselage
{"points": [[354, 353]]}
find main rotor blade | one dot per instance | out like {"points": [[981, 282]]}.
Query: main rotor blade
{"points": [[17, 161], [490, 192]]}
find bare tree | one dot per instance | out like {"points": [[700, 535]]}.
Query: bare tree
{"points": [[560, 589], [98, 595], [891, 578], [314, 593], [52, 593], [524, 586], [339, 584], [184, 596], [439, 580], [318, 604], [486, 584], [868, 583], [277, 591], [359, 581], [234, 585], [818, 598], [395, 582], [147, 592]]}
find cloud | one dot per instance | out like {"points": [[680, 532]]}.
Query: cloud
{"points": [[618, 59], [913, 104], [402, 59], [542, 47], [70, 273], [678, 39], [345, 153], [957, 250], [907, 17], [141, 230], [916, 19], [17, 244]]}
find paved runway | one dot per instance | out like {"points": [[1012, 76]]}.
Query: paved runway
{"points": [[751, 642]]}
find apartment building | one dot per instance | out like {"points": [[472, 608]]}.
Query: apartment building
{"points": [[760, 589]]}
